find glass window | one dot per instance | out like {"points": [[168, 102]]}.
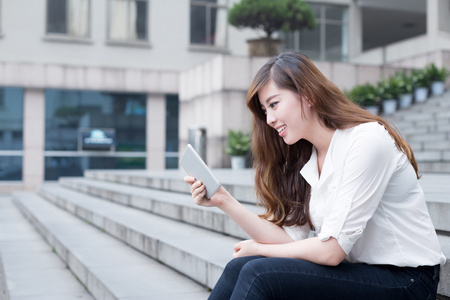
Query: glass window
{"points": [[11, 119], [329, 40], [208, 22], [172, 109], [66, 111], [128, 20], [68, 17], [10, 168], [11, 133]]}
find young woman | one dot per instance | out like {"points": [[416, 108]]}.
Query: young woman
{"points": [[345, 215]]}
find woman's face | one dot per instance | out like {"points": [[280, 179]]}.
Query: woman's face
{"points": [[283, 110]]}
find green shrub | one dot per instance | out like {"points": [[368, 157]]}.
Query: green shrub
{"points": [[238, 143], [436, 74], [364, 95], [420, 78], [271, 16]]}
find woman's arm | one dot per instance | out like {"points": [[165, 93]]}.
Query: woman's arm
{"points": [[258, 229], [312, 249]]}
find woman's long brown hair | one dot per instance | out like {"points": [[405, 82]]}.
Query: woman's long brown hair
{"points": [[279, 185]]}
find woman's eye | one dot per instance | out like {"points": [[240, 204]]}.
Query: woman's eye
{"points": [[273, 104]]}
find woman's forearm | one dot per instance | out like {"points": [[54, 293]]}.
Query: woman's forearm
{"points": [[258, 229], [312, 249]]}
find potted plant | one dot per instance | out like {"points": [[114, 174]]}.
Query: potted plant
{"points": [[405, 90], [437, 78], [365, 96], [388, 91], [270, 16], [420, 82], [238, 146]]}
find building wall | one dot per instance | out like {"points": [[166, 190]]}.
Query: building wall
{"points": [[24, 38]]}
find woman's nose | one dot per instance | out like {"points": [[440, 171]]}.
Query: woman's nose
{"points": [[270, 119]]}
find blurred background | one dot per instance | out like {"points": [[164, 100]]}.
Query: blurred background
{"points": [[145, 71]]}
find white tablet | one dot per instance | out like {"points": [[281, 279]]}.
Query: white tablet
{"points": [[193, 164]]}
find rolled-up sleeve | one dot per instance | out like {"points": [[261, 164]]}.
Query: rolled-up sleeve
{"points": [[367, 169]]}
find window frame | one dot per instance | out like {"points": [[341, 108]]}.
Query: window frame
{"points": [[128, 42], [66, 37], [322, 22], [208, 46]]}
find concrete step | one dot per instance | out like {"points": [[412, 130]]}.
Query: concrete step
{"points": [[239, 183], [426, 126], [198, 253], [29, 269], [109, 268], [172, 205], [436, 188]]}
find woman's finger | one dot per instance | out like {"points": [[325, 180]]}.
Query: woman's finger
{"points": [[200, 197], [189, 179], [195, 186]]}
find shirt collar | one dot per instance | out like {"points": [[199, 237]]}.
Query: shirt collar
{"points": [[309, 170]]}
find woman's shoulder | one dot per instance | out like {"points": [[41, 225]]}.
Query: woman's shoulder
{"points": [[370, 135], [367, 131]]}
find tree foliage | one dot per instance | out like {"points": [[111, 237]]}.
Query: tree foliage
{"points": [[271, 16]]}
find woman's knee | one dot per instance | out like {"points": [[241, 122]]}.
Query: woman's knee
{"points": [[235, 265]]}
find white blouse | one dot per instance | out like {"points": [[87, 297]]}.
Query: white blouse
{"points": [[369, 199]]}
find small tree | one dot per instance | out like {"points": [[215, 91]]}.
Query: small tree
{"points": [[271, 16]]}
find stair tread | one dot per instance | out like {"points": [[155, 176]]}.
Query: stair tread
{"points": [[126, 272], [161, 195], [188, 237], [30, 266]]}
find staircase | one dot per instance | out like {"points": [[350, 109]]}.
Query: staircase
{"points": [[137, 235], [426, 126]]}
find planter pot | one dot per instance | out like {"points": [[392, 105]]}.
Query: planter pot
{"points": [[406, 100], [421, 94], [437, 88], [389, 106], [238, 162], [264, 47], [372, 109]]}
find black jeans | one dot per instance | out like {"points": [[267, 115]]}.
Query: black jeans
{"points": [[260, 278]]}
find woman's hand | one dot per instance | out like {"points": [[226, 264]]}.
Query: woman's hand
{"points": [[246, 248], [198, 191]]}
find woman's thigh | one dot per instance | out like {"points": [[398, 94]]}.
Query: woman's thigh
{"points": [[284, 278]]}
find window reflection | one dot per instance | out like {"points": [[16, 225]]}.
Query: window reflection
{"points": [[10, 168], [66, 111], [11, 119]]}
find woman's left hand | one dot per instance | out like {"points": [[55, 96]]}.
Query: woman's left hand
{"points": [[246, 248]]}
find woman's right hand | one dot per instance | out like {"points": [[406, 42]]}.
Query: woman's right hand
{"points": [[198, 191]]}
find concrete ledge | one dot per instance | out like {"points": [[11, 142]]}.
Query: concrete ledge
{"points": [[109, 268], [42, 76]]}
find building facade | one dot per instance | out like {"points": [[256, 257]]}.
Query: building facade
{"points": [[142, 71]]}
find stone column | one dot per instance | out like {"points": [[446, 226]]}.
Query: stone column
{"points": [[355, 29], [156, 132], [33, 137], [432, 17], [438, 17]]}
